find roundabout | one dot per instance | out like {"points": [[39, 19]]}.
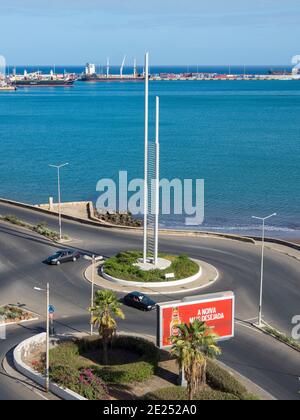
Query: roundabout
{"points": [[202, 275]]}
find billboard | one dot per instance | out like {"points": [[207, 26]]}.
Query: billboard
{"points": [[217, 310]]}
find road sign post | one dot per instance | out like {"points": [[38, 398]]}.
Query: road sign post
{"points": [[93, 259]]}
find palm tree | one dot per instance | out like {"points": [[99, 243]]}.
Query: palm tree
{"points": [[194, 343], [106, 308]]}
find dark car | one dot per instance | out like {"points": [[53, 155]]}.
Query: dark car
{"points": [[62, 256], [140, 301]]}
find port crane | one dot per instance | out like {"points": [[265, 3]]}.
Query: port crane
{"points": [[122, 66]]}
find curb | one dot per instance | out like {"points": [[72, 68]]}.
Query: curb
{"points": [[24, 321], [149, 290], [171, 283], [275, 336], [266, 396]]}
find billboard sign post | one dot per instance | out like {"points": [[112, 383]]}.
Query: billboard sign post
{"points": [[216, 310]]}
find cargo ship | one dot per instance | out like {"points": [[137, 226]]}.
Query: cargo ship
{"points": [[41, 80], [279, 72], [90, 74]]}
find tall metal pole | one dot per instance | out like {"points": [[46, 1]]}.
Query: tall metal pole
{"points": [[47, 341], [107, 67], [59, 203], [260, 314], [92, 294], [58, 167], [146, 155], [261, 275], [156, 182]]}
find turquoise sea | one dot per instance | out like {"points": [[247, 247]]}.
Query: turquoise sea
{"points": [[242, 137]]}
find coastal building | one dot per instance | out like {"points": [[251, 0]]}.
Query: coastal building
{"points": [[90, 69]]}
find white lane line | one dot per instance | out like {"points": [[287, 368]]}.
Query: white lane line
{"points": [[242, 324], [41, 395]]}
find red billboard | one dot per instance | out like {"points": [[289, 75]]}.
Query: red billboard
{"points": [[217, 310]]}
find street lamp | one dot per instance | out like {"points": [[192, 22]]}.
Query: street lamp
{"points": [[93, 260], [263, 219], [47, 334], [58, 167]]}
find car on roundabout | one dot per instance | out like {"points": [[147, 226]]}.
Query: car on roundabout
{"points": [[62, 256], [140, 301]]}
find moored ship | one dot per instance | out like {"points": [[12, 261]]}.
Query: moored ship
{"points": [[90, 74], [42, 80], [111, 78]]}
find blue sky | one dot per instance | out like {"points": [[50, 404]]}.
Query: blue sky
{"points": [[174, 31]]}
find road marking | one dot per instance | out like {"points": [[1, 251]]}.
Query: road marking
{"points": [[250, 327], [41, 395], [250, 319]]}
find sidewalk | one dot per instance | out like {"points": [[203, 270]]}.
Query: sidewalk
{"points": [[283, 249], [209, 276]]}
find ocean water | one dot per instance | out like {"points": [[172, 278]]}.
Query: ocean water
{"points": [[128, 69], [242, 138]]}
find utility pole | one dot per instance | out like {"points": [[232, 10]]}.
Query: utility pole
{"points": [[93, 259], [58, 167], [146, 156], [47, 381], [157, 154], [263, 219]]}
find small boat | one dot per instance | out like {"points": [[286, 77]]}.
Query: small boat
{"points": [[7, 87]]}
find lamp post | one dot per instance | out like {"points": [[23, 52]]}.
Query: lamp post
{"points": [[146, 157], [47, 290], [93, 259], [58, 167], [263, 219]]}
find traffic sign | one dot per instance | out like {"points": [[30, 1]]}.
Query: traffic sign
{"points": [[51, 309]]}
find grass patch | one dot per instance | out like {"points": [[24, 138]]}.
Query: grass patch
{"points": [[282, 337], [221, 385], [122, 266], [40, 228], [15, 221], [177, 393]]}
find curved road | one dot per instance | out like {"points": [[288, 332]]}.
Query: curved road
{"points": [[273, 366]]}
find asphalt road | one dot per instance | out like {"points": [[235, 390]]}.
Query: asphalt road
{"points": [[262, 359]]}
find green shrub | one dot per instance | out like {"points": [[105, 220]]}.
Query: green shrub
{"points": [[122, 266], [11, 313], [177, 393], [127, 373], [40, 228], [68, 359], [66, 375], [221, 380], [249, 397], [138, 371], [282, 337], [65, 354], [90, 386], [14, 220]]}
